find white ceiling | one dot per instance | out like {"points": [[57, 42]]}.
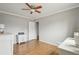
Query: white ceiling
{"points": [[48, 9]]}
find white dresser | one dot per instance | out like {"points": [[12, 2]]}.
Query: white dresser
{"points": [[22, 38], [6, 44], [68, 47]]}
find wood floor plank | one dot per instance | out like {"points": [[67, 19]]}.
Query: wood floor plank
{"points": [[35, 47]]}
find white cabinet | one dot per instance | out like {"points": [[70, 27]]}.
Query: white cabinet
{"points": [[6, 44], [22, 38]]}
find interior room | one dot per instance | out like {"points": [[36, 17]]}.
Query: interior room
{"points": [[39, 28]]}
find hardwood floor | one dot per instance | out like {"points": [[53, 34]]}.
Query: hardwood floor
{"points": [[35, 47]]}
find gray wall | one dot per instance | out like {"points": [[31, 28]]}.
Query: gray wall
{"points": [[77, 23], [15, 24], [56, 28], [52, 29]]}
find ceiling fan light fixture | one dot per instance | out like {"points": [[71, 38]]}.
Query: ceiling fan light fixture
{"points": [[32, 10]]}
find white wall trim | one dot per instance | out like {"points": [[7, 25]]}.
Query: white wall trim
{"points": [[49, 42], [13, 14], [59, 11]]}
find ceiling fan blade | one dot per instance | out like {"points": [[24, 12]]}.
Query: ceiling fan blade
{"points": [[25, 9], [37, 11], [28, 5], [38, 7]]}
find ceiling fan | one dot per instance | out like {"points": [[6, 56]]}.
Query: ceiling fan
{"points": [[33, 8]]}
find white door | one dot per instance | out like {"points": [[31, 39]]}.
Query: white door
{"points": [[32, 31]]}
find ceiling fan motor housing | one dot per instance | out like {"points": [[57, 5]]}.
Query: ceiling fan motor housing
{"points": [[32, 6]]}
